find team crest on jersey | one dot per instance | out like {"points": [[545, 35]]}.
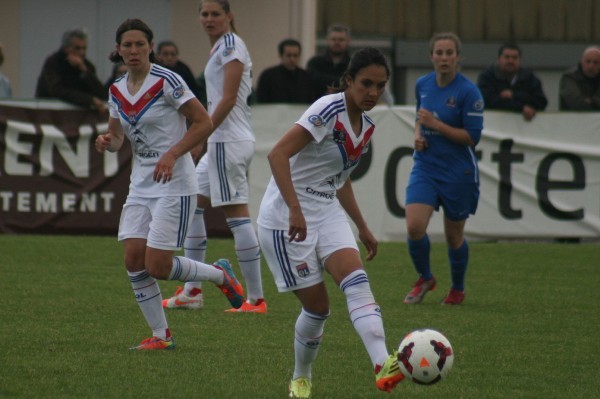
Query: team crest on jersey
{"points": [[316, 120], [178, 92], [132, 117], [339, 136], [451, 102], [227, 51], [303, 270], [478, 105]]}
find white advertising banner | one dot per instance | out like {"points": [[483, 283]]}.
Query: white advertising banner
{"points": [[539, 179]]}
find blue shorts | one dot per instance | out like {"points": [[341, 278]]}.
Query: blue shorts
{"points": [[459, 200]]}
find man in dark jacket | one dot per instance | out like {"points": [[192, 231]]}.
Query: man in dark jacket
{"points": [[505, 85], [286, 82], [167, 55], [328, 68], [67, 75], [580, 86]]}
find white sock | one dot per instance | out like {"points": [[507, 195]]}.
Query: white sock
{"points": [[195, 246], [365, 315], [148, 297], [247, 251], [185, 269], [308, 336]]}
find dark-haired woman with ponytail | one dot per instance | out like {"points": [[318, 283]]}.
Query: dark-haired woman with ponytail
{"points": [[153, 107], [303, 227]]}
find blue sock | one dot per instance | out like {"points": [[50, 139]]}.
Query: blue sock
{"points": [[419, 253], [459, 258]]}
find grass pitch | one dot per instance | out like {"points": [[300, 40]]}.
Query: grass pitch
{"points": [[528, 327]]}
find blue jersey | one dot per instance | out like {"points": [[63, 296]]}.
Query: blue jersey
{"points": [[459, 105]]}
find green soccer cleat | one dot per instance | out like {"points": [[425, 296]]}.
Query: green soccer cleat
{"points": [[388, 375], [300, 388]]}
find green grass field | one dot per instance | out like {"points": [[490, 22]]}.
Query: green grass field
{"points": [[528, 327]]}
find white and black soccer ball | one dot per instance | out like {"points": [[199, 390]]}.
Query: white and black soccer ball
{"points": [[425, 356]]}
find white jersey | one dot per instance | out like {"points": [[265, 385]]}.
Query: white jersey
{"points": [[152, 124], [236, 126], [320, 168]]}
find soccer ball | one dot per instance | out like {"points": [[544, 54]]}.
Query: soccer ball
{"points": [[425, 356]]}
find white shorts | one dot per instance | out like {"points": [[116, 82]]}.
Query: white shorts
{"points": [[223, 172], [163, 221], [296, 265]]}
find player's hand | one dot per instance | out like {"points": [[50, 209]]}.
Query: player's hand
{"points": [[102, 143], [163, 171], [370, 242], [297, 230], [420, 143], [427, 119]]}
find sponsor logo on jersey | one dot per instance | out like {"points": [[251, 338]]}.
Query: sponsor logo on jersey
{"points": [[320, 194], [316, 120], [178, 92]]}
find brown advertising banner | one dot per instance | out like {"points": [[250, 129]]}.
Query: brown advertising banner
{"points": [[52, 180]]}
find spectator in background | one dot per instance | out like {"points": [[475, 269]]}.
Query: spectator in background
{"points": [[329, 67], [67, 75], [505, 85], [167, 55], [118, 70], [580, 86], [5, 87], [286, 82]]}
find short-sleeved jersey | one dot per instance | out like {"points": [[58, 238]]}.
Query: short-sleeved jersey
{"points": [[459, 105], [236, 126], [322, 167], [152, 124]]}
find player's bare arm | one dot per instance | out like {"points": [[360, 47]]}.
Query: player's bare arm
{"points": [[232, 78], [294, 140]]}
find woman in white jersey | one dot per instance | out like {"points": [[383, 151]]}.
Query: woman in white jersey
{"points": [[149, 105], [303, 227], [222, 172]]}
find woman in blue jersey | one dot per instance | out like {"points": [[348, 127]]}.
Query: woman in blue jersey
{"points": [[152, 107], [303, 228], [445, 173], [222, 172]]}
